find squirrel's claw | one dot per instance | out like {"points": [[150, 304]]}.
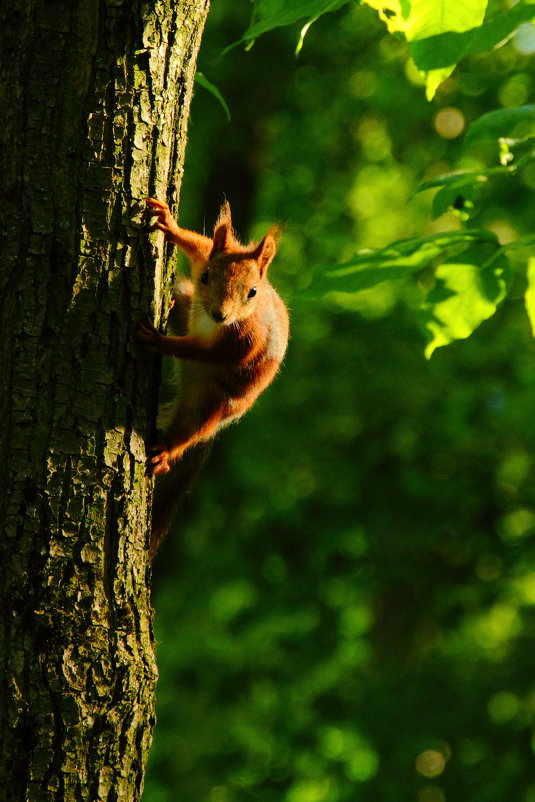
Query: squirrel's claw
{"points": [[157, 204]]}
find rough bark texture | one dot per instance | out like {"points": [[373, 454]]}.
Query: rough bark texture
{"points": [[94, 98]]}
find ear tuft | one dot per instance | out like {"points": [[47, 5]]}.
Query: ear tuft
{"points": [[223, 234], [224, 214]]}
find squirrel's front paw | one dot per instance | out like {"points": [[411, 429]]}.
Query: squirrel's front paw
{"points": [[158, 460], [164, 219], [148, 335]]}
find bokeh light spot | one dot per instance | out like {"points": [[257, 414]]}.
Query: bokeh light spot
{"points": [[430, 763], [449, 123]]}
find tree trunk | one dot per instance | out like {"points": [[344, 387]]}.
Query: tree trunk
{"points": [[95, 98]]}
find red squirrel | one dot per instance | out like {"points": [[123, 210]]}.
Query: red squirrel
{"points": [[236, 331]]}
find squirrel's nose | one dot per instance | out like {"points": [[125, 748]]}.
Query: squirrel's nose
{"points": [[218, 316]]}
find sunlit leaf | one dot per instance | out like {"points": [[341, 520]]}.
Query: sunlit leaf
{"points": [[529, 296], [392, 12], [424, 20], [430, 19], [444, 49], [442, 32], [464, 295]]}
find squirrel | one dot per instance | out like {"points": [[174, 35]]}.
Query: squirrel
{"points": [[235, 336]]}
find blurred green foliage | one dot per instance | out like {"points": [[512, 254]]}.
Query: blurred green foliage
{"points": [[346, 608]]}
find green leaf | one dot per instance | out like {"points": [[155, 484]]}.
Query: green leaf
{"points": [[401, 259], [458, 190], [442, 32], [270, 14], [422, 20], [529, 296], [464, 295], [212, 88], [502, 123], [458, 198], [467, 289], [430, 19], [444, 49], [391, 12], [527, 241], [459, 178]]}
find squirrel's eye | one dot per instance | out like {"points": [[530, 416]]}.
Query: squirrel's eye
{"points": [[252, 292], [204, 277]]}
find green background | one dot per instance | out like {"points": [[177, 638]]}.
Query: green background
{"points": [[345, 610]]}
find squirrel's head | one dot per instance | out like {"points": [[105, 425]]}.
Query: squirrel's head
{"points": [[231, 282]]}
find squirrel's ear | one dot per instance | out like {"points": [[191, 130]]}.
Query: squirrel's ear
{"points": [[265, 251], [223, 235]]}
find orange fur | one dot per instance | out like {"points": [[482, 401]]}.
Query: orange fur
{"points": [[236, 331]]}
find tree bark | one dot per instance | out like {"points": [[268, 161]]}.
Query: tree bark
{"points": [[95, 98]]}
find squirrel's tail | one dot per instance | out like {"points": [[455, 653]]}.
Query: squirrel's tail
{"points": [[171, 489]]}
